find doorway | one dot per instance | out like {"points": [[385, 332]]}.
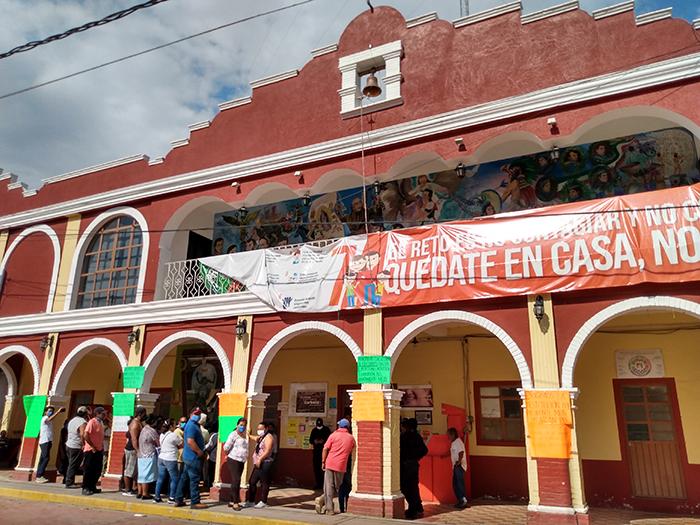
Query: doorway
{"points": [[651, 437]]}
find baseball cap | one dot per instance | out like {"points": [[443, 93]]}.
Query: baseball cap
{"points": [[344, 423]]}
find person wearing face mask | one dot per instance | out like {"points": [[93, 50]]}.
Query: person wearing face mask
{"points": [[236, 447], [46, 441], [170, 445], [93, 450], [180, 431], [263, 458], [192, 456], [319, 436]]}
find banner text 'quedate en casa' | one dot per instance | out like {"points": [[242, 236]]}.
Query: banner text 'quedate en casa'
{"points": [[617, 241]]}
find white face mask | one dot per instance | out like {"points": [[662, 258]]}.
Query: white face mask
{"points": [[261, 432]]}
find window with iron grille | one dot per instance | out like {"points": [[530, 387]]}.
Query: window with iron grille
{"points": [[110, 269]]}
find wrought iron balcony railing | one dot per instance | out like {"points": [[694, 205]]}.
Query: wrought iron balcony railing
{"points": [[184, 279]]}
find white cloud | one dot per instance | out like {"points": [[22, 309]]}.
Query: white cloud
{"points": [[140, 105]]}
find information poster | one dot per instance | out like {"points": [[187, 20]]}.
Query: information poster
{"points": [[374, 369], [549, 423], [368, 406], [133, 376]]}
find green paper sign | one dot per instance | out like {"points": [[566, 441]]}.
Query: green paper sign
{"points": [[375, 369], [124, 404], [34, 409], [227, 424], [133, 376]]}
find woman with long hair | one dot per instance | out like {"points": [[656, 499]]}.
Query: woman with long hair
{"points": [[263, 458]]}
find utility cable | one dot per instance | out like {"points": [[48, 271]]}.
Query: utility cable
{"points": [[60, 36], [152, 49]]}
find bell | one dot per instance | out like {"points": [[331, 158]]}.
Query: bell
{"points": [[371, 88]]}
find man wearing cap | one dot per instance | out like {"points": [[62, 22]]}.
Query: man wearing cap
{"points": [[74, 444], [94, 435], [334, 462], [45, 441]]}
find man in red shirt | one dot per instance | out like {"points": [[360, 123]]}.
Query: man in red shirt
{"points": [[93, 449], [334, 461]]}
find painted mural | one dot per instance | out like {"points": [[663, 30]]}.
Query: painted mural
{"points": [[620, 166]]}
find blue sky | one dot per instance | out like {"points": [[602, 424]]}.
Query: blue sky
{"points": [[139, 106]]}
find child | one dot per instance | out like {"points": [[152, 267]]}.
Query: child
{"points": [[459, 467]]}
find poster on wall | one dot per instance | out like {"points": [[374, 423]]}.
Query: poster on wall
{"points": [[416, 396], [617, 241], [308, 399], [639, 363]]}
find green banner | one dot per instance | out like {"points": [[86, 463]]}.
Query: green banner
{"points": [[227, 424], [374, 369], [133, 376], [124, 404], [215, 282], [34, 409]]}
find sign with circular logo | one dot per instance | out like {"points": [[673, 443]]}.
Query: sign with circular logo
{"points": [[639, 366]]}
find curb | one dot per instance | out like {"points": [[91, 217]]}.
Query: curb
{"points": [[165, 510]]}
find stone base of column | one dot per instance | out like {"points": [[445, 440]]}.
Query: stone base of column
{"points": [[110, 481], [22, 474], [377, 505], [542, 515], [51, 475]]}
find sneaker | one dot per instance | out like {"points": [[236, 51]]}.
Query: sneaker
{"points": [[87, 492], [171, 501], [128, 494], [157, 500], [247, 504], [319, 505], [261, 505], [41, 479], [198, 506], [97, 491]]}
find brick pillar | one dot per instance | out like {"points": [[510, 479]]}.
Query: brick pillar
{"points": [[117, 442], [376, 468], [27, 458]]}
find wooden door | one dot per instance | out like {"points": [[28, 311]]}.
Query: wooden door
{"points": [[344, 404], [652, 435], [272, 413]]}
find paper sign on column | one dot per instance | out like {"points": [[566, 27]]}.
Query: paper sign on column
{"points": [[232, 404], [549, 423], [133, 376], [374, 369], [124, 404], [34, 409], [120, 423], [368, 406]]}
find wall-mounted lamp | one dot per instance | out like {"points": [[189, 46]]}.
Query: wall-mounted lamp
{"points": [[237, 185], [133, 336], [306, 200], [299, 175], [459, 141], [377, 187], [241, 328], [462, 170], [554, 153], [538, 308], [243, 210], [553, 127], [46, 342]]}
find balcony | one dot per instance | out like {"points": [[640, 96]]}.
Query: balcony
{"points": [[187, 279]]}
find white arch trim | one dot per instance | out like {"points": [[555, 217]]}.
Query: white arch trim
{"points": [[167, 344], [11, 379], [274, 345], [48, 230], [33, 361], [657, 302], [60, 382], [411, 330], [95, 225]]}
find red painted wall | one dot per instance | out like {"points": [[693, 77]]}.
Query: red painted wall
{"points": [[499, 477]]}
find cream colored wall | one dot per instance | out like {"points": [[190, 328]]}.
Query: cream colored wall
{"points": [[333, 365], [26, 385], [440, 363], [595, 370], [165, 371], [98, 372]]}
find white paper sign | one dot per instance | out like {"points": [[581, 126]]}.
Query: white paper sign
{"points": [[639, 363], [120, 423], [490, 407]]}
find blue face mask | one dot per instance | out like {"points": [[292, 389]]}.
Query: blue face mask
{"points": [[182, 425], [241, 428]]}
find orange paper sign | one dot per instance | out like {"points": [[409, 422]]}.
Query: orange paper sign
{"points": [[549, 423], [232, 404], [368, 406]]}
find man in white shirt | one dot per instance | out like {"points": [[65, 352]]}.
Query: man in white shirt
{"points": [[46, 441], [459, 467]]}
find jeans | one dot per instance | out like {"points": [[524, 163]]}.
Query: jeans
{"points": [[92, 470], [458, 483], [168, 468], [190, 475], [44, 459], [74, 457], [371, 296]]}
